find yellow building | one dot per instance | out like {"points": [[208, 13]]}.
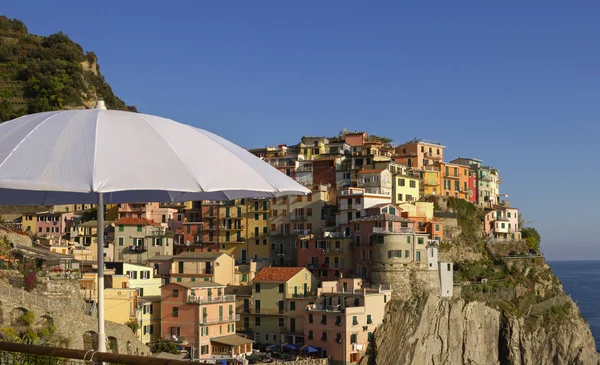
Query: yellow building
{"points": [[430, 182], [272, 289], [258, 239], [29, 223], [405, 187], [120, 304], [149, 316], [191, 267]]}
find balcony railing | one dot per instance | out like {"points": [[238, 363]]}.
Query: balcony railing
{"points": [[137, 248], [337, 235], [292, 331], [232, 227], [332, 250], [230, 216], [295, 217], [194, 299], [216, 320], [266, 311], [403, 230]]}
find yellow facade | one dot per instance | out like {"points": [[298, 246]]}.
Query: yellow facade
{"points": [[269, 299], [258, 239], [120, 304], [232, 228], [29, 223], [430, 184], [149, 316], [405, 188]]}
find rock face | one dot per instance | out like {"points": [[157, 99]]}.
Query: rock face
{"points": [[452, 332]]}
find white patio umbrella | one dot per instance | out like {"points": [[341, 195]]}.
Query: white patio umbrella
{"points": [[108, 156]]}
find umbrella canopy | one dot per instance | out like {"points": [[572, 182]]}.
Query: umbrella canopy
{"points": [[108, 156], [64, 157], [310, 349], [291, 347]]}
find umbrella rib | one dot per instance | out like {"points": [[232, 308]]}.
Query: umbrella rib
{"points": [[172, 149], [95, 151], [208, 134], [28, 134]]}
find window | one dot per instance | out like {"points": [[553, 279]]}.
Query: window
{"points": [[120, 241], [257, 321], [369, 320], [281, 288], [413, 184], [407, 239], [421, 240], [310, 335], [310, 319], [407, 254], [354, 320], [139, 228], [338, 338], [309, 212], [324, 336], [257, 288], [292, 306], [175, 312], [418, 255], [401, 182], [121, 228], [353, 338], [256, 216], [281, 322], [437, 227], [370, 336], [324, 319], [175, 293], [180, 267]]}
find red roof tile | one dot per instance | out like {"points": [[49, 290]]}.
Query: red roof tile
{"points": [[135, 222], [277, 274]]}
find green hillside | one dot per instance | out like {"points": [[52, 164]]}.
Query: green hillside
{"points": [[47, 73]]}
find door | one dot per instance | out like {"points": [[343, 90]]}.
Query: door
{"points": [[246, 305], [305, 288], [293, 325], [418, 255], [220, 313], [244, 255], [295, 291], [257, 306]]}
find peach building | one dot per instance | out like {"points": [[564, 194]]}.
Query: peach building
{"points": [[201, 318], [502, 223], [192, 267], [342, 321], [419, 153]]}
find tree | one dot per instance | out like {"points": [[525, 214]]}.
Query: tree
{"points": [[133, 325], [532, 237], [164, 346]]}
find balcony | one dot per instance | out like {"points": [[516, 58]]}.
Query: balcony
{"points": [[137, 248], [297, 218], [292, 331], [204, 321], [401, 230], [337, 235], [329, 251], [452, 177], [196, 273], [194, 299], [433, 156], [178, 340], [262, 311], [229, 216], [304, 169], [308, 294], [430, 183], [232, 227]]}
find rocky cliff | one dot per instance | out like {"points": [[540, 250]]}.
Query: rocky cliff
{"points": [[441, 331], [508, 309]]}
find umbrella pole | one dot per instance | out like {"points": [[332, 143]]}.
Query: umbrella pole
{"points": [[100, 260]]}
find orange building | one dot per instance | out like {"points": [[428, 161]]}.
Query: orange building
{"points": [[454, 180], [419, 152], [200, 318]]}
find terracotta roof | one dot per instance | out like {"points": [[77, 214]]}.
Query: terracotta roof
{"points": [[372, 171], [135, 222], [277, 274]]}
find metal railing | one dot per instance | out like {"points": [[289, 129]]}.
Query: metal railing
{"points": [[218, 299], [227, 318], [20, 354], [393, 230]]}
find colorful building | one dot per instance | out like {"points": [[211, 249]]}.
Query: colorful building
{"points": [[419, 153], [140, 277], [502, 223], [201, 318], [149, 318], [352, 205], [489, 186], [454, 180], [406, 186], [138, 239], [192, 267], [430, 181], [272, 287], [342, 321], [327, 255], [375, 181]]}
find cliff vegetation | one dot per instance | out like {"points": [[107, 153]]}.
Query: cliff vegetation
{"points": [[47, 73]]}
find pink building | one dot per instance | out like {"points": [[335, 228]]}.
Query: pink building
{"points": [[355, 138], [342, 321], [137, 210], [201, 318], [53, 224], [502, 223], [326, 256]]}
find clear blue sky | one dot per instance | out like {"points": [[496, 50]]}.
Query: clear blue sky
{"points": [[514, 83]]}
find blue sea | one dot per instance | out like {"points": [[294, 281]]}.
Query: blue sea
{"points": [[581, 279]]}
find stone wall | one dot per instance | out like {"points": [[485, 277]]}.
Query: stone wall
{"points": [[405, 279], [15, 238], [66, 309]]}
